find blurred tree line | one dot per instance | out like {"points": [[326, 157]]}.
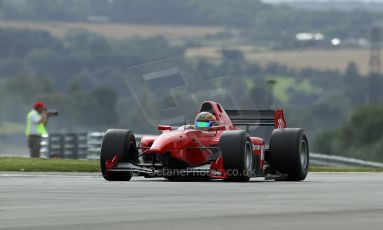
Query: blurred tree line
{"points": [[256, 20], [360, 137], [329, 99], [82, 75]]}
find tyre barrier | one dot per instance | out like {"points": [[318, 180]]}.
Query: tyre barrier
{"points": [[73, 145], [68, 145]]}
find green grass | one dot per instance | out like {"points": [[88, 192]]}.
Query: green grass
{"points": [[66, 165], [332, 169], [284, 83], [48, 165]]}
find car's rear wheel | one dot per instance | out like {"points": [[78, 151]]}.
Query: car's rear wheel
{"points": [[237, 155], [120, 143], [289, 153]]}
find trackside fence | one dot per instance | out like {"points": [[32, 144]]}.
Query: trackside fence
{"points": [[321, 159]]}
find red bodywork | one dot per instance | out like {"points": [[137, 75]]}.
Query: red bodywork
{"points": [[193, 146]]}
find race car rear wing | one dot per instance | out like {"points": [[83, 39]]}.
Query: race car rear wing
{"points": [[258, 118]]}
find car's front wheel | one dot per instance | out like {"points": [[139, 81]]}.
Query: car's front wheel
{"points": [[120, 143], [237, 155]]}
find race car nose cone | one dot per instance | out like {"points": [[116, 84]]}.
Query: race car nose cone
{"points": [[164, 143]]}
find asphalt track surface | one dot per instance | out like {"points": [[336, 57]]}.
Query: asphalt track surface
{"points": [[85, 201]]}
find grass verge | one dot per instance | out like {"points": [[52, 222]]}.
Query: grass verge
{"points": [[48, 165], [67, 165], [333, 169]]}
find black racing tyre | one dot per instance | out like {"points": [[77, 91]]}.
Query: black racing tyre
{"points": [[237, 155], [289, 153], [118, 142]]}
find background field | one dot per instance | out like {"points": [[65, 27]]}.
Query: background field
{"points": [[319, 59], [115, 30], [337, 59]]}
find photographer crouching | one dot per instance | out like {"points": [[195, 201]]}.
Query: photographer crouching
{"points": [[37, 120]]}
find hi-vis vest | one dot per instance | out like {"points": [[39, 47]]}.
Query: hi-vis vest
{"points": [[33, 128]]}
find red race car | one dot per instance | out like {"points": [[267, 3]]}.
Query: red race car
{"points": [[215, 149]]}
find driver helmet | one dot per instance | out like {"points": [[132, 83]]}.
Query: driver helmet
{"points": [[204, 120]]}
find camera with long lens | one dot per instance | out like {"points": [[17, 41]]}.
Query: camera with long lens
{"points": [[52, 113]]}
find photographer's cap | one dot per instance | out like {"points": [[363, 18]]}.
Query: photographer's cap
{"points": [[39, 105]]}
